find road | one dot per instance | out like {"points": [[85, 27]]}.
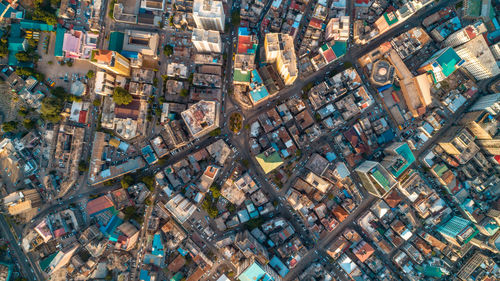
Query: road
{"points": [[24, 261]]}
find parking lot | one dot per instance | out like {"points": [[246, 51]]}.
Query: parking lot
{"points": [[61, 74]]}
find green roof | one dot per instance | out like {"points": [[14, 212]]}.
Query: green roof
{"points": [[58, 52], [473, 8], [430, 271], [440, 169], [116, 41], [241, 76], [177, 277], [448, 61], [390, 21], [324, 47], [269, 163], [44, 263], [381, 179]]}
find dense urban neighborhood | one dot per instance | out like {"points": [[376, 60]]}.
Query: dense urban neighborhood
{"points": [[250, 140]]}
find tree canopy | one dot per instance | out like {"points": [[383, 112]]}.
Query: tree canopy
{"points": [[9, 126], [51, 109], [121, 96]]}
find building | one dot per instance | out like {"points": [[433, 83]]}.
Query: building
{"points": [[442, 64], [206, 41], [140, 42], [59, 259], [111, 61], [280, 50], [269, 160], [20, 202], [490, 103], [337, 29], [209, 15], [479, 60], [459, 143], [458, 231], [465, 34], [153, 5], [375, 178], [201, 118], [258, 272], [398, 158], [104, 83]]}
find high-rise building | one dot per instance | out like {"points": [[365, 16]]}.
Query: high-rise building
{"points": [[442, 64], [459, 143], [280, 50], [465, 34], [490, 103], [479, 60], [481, 124], [458, 231], [398, 158], [206, 41], [112, 61], [209, 14], [375, 178]]}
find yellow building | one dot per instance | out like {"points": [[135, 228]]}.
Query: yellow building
{"points": [[112, 61], [280, 50]]}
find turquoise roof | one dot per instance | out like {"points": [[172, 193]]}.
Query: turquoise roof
{"points": [[448, 61], [16, 45], [58, 51], [339, 48], [405, 152], [116, 41], [36, 25], [45, 262], [254, 272]]}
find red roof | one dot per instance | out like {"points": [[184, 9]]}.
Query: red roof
{"points": [[340, 213], [244, 43], [329, 55], [497, 157], [99, 204], [362, 1], [59, 232], [470, 32], [83, 117], [315, 23]]}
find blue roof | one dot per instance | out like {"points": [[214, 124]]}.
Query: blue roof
{"points": [[405, 152], [144, 275], [243, 31], [157, 248], [278, 265], [130, 54], [254, 272], [148, 154], [259, 94], [4, 6]]}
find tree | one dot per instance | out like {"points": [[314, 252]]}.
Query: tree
{"points": [[235, 17], [83, 166], [149, 181], [9, 126], [215, 132], [184, 92], [90, 74], [24, 71], [97, 102], [215, 191], [28, 123], [44, 15], [121, 96], [168, 50], [127, 181], [230, 207], [51, 109], [23, 57], [23, 111]]}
